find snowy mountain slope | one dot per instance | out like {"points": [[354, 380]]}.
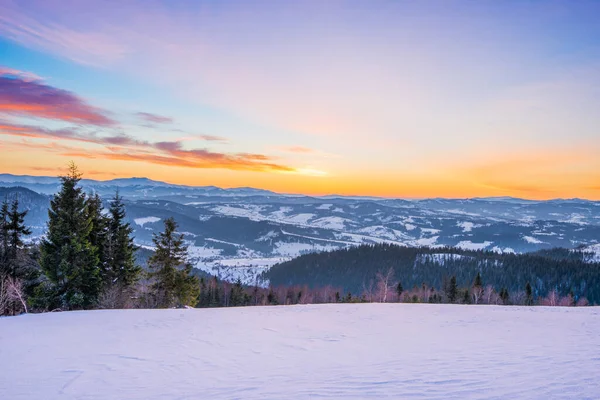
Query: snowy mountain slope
{"points": [[232, 231], [349, 351]]}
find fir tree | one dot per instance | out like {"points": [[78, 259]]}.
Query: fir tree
{"points": [[119, 251], [173, 283], [528, 294], [452, 290], [99, 226], [15, 265], [4, 238], [399, 290], [504, 296], [236, 296], [68, 258]]}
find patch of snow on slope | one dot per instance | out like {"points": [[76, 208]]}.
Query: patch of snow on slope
{"points": [[324, 207], [301, 219], [500, 250], [267, 236], [439, 258], [295, 249], [430, 231], [410, 227], [467, 226], [531, 239], [250, 211], [468, 245], [146, 220], [304, 352], [281, 213], [336, 223], [426, 241]]}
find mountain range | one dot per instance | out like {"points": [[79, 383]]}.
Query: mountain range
{"points": [[241, 232]]}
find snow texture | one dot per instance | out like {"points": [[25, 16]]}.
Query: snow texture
{"points": [[146, 220], [358, 351]]}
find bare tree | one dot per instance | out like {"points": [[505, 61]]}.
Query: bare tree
{"points": [[477, 294], [384, 284], [552, 299], [368, 291], [15, 294], [489, 295]]}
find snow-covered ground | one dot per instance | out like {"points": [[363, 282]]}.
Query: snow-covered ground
{"points": [[361, 351]]}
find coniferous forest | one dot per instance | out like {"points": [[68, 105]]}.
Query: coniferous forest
{"points": [[88, 260]]}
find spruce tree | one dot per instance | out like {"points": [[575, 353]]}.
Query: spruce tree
{"points": [[452, 290], [174, 285], [119, 251], [4, 238], [99, 226], [68, 258], [528, 294], [399, 290]]}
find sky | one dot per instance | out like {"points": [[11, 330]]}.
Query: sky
{"points": [[383, 98]]}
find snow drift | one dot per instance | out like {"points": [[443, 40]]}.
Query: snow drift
{"points": [[359, 351]]}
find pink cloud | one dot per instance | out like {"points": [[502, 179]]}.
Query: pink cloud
{"points": [[31, 98]]}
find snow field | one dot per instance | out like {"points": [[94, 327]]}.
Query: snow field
{"points": [[349, 351]]}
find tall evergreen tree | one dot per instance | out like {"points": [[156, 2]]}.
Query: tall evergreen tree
{"points": [[119, 265], [451, 290], [4, 239], [174, 285], [99, 229], [399, 290], [68, 258], [16, 231], [528, 295]]}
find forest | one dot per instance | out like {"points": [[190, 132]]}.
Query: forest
{"points": [[87, 259], [566, 272]]}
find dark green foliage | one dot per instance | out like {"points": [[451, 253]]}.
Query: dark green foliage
{"points": [[174, 284], [4, 238], [478, 282], [528, 295], [16, 264], [399, 290], [451, 290], [351, 269], [99, 228], [119, 263], [237, 297], [68, 258], [504, 296]]}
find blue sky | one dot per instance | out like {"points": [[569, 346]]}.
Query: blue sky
{"points": [[392, 98]]}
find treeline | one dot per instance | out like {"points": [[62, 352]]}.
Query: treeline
{"points": [[557, 272], [87, 258]]}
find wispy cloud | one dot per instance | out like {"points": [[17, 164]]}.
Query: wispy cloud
{"points": [[127, 148], [31, 98], [154, 118]]}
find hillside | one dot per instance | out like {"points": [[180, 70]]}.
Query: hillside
{"points": [[240, 233], [354, 269], [360, 351]]}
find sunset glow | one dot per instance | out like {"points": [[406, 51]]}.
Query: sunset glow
{"points": [[383, 98]]}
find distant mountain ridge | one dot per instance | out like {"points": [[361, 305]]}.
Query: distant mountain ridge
{"points": [[239, 233]]}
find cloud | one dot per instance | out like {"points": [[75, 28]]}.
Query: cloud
{"points": [[154, 118], [212, 138], [80, 45], [27, 76], [126, 148], [30, 98]]}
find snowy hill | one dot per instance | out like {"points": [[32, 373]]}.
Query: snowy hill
{"points": [[359, 351], [238, 233]]}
